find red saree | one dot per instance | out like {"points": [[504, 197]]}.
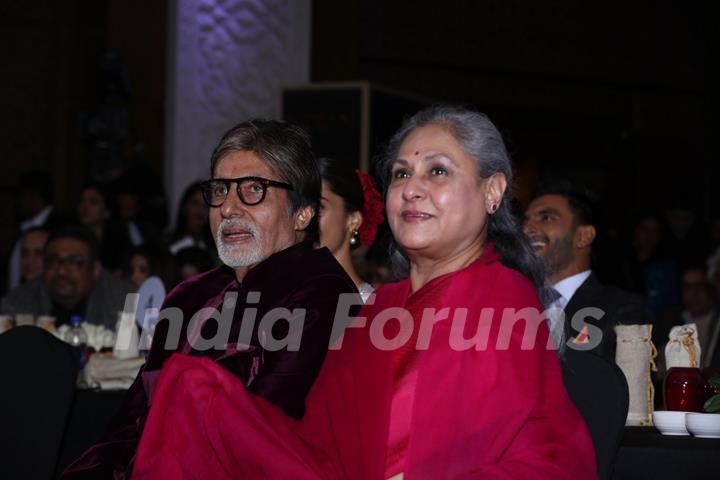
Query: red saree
{"points": [[492, 413]]}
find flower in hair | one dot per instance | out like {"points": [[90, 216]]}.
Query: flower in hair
{"points": [[372, 209]]}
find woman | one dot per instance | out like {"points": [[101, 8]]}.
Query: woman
{"points": [[191, 227], [350, 211], [94, 212], [430, 381]]}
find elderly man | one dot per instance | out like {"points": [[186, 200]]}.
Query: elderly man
{"points": [[263, 199], [560, 224], [72, 283]]}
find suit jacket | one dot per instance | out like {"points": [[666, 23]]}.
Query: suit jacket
{"points": [[619, 306], [106, 299], [297, 277]]}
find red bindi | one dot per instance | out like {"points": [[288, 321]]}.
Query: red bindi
{"points": [[417, 152]]}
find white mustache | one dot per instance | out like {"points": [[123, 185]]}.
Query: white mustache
{"points": [[236, 223]]}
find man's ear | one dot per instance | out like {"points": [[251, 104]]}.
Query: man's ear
{"points": [[303, 217], [584, 236]]}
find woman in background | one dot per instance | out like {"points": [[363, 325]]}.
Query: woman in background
{"points": [[191, 227], [94, 211], [350, 211]]}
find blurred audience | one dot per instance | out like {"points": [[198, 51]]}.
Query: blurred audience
{"points": [[35, 209], [561, 225], [94, 211], [73, 283], [191, 261], [150, 261], [648, 269], [699, 306], [350, 211], [32, 246], [192, 228], [128, 203]]}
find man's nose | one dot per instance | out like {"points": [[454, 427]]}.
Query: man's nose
{"points": [[529, 227], [232, 206]]}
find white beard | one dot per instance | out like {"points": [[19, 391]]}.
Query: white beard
{"points": [[244, 255]]}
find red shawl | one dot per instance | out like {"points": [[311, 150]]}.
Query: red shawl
{"points": [[492, 413]]}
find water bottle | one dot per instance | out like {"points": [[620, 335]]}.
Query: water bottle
{"points": [[77, 337]]}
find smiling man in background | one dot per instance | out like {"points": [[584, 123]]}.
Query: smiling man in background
{"points": [[560, 224]]}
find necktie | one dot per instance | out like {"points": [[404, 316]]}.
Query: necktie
{"points": [[556, 316]]}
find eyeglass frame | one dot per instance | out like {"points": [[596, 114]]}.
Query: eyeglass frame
{"points": [[265, 182]]}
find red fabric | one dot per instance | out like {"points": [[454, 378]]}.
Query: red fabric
{"points": [[405, 361], [490, 414]]}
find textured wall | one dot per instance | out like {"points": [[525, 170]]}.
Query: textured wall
{"points": [[228, 61]]}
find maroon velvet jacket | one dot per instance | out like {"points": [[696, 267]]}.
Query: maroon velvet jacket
{"points": [[297, 277]]}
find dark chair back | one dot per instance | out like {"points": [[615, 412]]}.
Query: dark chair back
{"points": [[38, 373], [599, 390]]}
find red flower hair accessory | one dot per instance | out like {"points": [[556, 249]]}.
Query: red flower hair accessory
{"points": [[372, 209]]}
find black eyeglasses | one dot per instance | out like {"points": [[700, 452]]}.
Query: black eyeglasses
{"points": [[251, 190]]}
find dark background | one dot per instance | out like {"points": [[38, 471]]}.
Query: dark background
{"points": [[617, 95]]}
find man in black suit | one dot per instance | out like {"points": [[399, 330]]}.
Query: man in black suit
{"points": [[560, 224]]}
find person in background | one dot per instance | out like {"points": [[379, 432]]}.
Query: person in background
{"points": [[191, 261], [73, 283], [192, 228], [128, 208], [424, 406], [32, 246], [647, 270], [35, 209], [560, 223], [149, 261], [699, 306], [95, 213], [350, 211]]}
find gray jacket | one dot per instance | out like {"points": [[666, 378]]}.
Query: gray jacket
{"points": [[106, 299]]}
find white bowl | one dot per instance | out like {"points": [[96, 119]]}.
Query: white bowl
{"points": [[703, 425], [670, 422]]}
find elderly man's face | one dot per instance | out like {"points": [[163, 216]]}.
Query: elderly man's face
{"points": [[246, 235], [69, 273]]}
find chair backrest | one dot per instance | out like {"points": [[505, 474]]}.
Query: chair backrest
{"points": [[38, 373], [599, 390]]}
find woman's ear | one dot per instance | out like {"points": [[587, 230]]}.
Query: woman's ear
{"points": [[303, 217], [354, 221], [494, 191]]}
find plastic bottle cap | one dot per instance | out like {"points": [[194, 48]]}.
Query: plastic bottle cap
{"points": [[76, 320]]}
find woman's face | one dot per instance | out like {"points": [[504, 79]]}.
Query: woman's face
{"points": [[92, 209], [196, 213], [139, 270], [436, 203], [336, 224]]}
